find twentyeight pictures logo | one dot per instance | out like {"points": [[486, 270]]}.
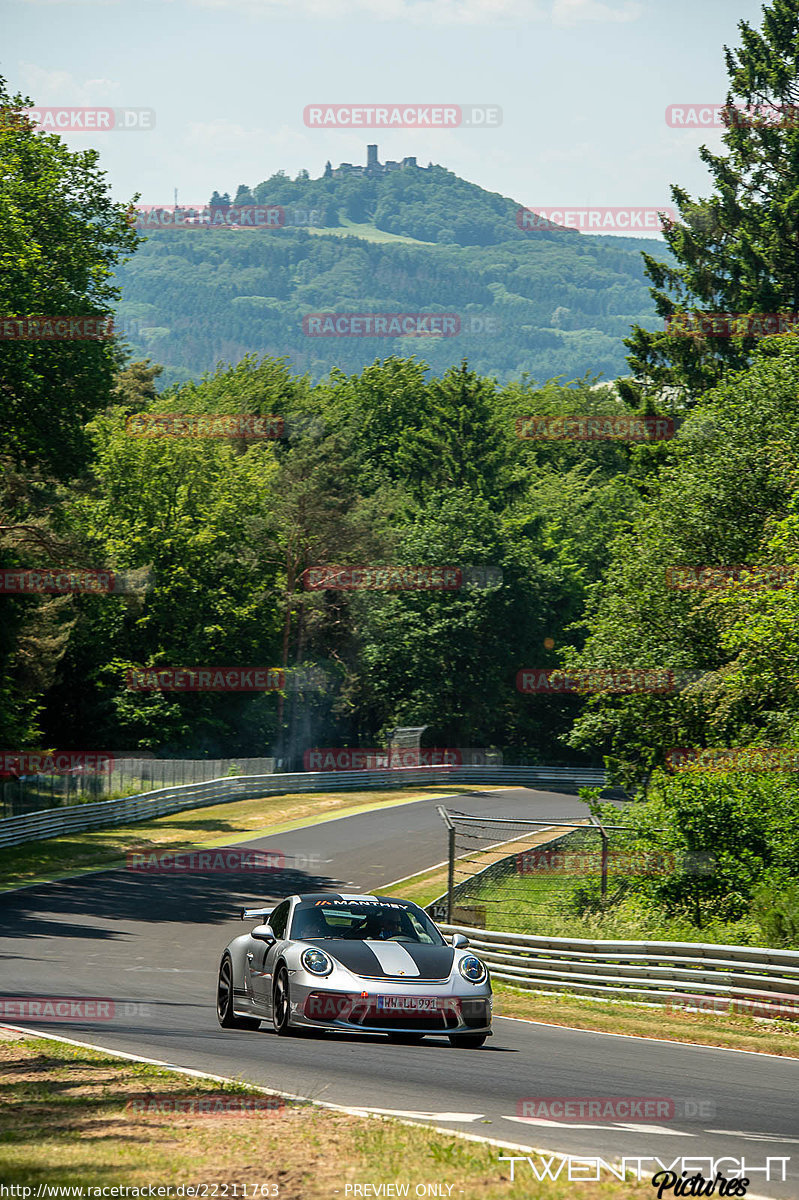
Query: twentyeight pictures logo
{"points": [[402, 116]]}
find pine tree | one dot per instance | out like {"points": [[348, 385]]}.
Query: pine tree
{"points": [[738, 250]]}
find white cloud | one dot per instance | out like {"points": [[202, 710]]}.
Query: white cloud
{"points": [[60, 87], [573, 12], [423, 12], [440, 12]]}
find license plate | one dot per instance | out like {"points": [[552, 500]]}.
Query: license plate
{"points": [[408, 1004]]}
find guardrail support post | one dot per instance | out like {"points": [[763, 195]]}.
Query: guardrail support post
{"points": [[451, 872], [604, 884], [445, 817]]}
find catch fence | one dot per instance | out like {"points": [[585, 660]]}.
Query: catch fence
{"points": [[513, 873], [120, 777]]}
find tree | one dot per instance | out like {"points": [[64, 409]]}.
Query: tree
{"points": [[60, 238], [737, 250], [727, 497]]}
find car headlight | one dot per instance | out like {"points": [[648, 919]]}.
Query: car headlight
{"points": [[316, 961], [472, 969]]}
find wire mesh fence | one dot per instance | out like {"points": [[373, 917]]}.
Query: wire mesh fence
{"points": [[525, 876], [118, 777]]}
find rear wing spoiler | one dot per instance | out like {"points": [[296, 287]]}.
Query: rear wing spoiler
{"points": [[255, 912]]}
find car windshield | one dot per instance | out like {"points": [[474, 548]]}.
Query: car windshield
{"points": [[363, 920]]}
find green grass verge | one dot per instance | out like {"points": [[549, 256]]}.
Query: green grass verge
{"points": [[75, 1117]]}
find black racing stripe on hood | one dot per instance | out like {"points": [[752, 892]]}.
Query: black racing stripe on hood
{"points": [[432, 962], [354, 955]]}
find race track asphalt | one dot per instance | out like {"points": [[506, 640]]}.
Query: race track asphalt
{"points": [[151, 943]]}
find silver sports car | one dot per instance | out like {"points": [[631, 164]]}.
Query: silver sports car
{"points": [[365, 964]]}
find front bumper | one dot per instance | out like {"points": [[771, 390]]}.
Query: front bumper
{"points": [[379, 1007]]}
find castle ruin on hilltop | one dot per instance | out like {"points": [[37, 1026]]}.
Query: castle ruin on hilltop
{"points": [[373, 168]]}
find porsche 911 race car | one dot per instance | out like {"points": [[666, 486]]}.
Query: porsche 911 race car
{"points": [[362, 964]]}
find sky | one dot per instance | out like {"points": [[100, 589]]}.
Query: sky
{"points": [[582, 85]]}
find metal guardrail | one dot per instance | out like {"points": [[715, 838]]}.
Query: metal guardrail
{"points": [[759, 981], [96, 815]]}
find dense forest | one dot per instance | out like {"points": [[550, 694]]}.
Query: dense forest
{"points": [[546, 302], [412, 460]]}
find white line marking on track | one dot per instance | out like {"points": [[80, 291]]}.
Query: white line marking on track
{"points": [[608, 1126], [422, 1116], [756, 1137]]}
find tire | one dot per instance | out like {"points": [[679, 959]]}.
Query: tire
{"points": [[281, 1005], [467, 1041], [405, 1039], [224, 1000]]}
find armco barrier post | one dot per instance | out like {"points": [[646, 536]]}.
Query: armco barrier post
{"points": [[442, 812]]}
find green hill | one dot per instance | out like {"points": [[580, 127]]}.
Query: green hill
{"points": [[418, 240]]}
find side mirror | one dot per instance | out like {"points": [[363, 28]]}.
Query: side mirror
{"points": [[264, 933], [459, 941]]}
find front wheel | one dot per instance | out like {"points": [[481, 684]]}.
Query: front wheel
{"points": [[224, 1000], [281, 1005], [467, 1041]]}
